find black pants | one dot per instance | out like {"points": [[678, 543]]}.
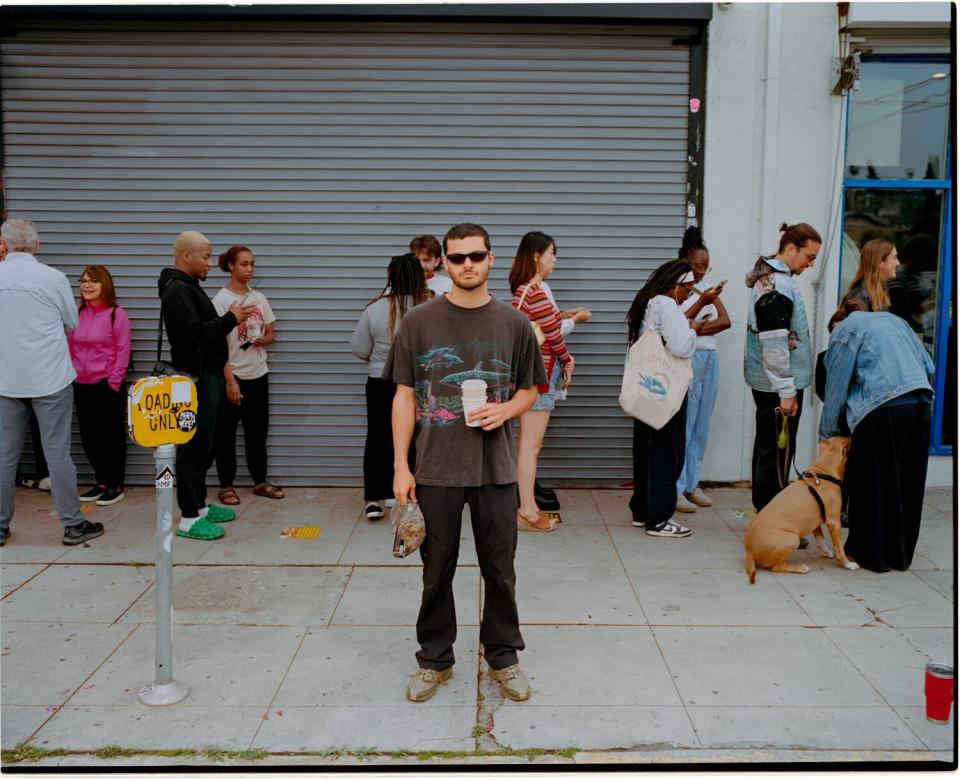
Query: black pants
{"points": [[885, 478], [102, 419], [196, 456], [378, 448], [657, 464], [766, 482], [254, 411], [493, 514]]}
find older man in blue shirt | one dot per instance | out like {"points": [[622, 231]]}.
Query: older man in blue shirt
{"points": [[36, 310]]}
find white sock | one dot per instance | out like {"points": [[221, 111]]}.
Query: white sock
{"points": [[203, 512], [186, 523]]}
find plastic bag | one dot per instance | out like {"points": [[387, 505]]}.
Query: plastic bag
{"points": [[410, 529]]}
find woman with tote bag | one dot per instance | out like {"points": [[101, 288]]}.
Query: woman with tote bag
{"points": [[659, 332]]}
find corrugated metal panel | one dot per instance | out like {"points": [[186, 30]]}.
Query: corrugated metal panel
{"points": [[325, 147]]}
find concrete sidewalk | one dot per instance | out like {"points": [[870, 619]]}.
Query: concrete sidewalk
{"points": [[639, 650]]}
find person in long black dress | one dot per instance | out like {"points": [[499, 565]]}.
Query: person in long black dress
{"points": [[878, 391]]}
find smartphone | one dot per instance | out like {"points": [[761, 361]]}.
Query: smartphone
{"points": [[721, 283]]}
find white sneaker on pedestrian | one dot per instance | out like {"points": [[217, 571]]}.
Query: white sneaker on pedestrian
{"points": [[700, 498], [684, 505], [44, 484], [390, 503], [670, 530]]}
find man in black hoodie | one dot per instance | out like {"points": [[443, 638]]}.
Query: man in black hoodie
{"points": [[198, 346]]}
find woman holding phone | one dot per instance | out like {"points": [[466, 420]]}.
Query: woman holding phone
{"points": [[706, 370]]}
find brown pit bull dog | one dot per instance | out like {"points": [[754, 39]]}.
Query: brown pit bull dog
{"points": [[799, 509]]}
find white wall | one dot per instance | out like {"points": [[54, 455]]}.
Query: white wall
{"points": [[801, 183]]}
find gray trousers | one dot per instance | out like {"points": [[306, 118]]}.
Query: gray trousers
{"points": [[55, 417]]}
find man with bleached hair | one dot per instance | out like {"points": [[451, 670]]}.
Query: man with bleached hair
{"points": [[198, 346], [36, 311]]}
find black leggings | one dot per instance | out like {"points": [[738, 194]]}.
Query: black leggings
{"points": [[102, 419], [378, 448], [254, 412]]}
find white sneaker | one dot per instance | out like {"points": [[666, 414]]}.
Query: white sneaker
{"points": [[684, 505], [670, 530], [700, 498], [390, 503]]}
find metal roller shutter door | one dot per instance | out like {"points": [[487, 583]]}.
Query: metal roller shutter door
{"points": [[325, 147]]}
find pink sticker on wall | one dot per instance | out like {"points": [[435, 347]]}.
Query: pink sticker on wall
{"points": [[694, 105]]}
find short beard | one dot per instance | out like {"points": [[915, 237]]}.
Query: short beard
{"points": [[472, 285]]}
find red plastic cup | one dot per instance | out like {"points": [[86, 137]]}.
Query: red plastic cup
{"points": [[938, 687]]}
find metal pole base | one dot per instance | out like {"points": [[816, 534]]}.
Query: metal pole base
{"points": [[157, 695]]}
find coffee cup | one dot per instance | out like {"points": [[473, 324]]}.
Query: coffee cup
{"points": [[938, 687], [474, 393]]}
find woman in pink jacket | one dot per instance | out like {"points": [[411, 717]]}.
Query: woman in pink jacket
{"points": [[100, 349]]}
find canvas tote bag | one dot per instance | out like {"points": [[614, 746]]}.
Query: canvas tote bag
{"points": [[654, 381]]}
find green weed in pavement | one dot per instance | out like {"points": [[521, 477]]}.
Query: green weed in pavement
{"points": [[23, 752]]}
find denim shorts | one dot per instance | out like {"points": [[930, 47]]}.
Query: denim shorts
{"points": [[547, 401]]}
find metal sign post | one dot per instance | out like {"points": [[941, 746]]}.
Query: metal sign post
{"points": [[164, 689], [161, 413]]}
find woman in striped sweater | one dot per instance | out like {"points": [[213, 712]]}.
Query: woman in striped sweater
{"points": [[535, 260]]}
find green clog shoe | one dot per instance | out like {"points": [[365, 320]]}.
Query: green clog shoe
{"points": [[219, 514], [203, 530]]}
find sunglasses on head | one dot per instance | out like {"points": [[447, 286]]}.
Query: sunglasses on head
{"points": [[475, 257]]}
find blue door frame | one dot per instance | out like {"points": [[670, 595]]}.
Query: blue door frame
{"points": [[945, 284]]}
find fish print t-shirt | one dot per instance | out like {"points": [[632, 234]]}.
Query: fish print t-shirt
{"points": [[438, 346]]}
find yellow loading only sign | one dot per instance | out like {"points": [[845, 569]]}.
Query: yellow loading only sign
{"points": [[162, 410]]}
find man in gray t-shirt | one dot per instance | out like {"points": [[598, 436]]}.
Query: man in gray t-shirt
{"points": [[465, 334]]}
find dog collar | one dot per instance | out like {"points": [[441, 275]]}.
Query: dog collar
{"points": [[816, 476]]}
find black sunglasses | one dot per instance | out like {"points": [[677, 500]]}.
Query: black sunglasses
{"points": [[475, 257]]}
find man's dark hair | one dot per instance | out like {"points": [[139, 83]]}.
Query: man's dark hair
{"points": [[798, 235], [466, 230]]}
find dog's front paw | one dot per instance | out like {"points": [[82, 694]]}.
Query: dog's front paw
{"points": [[826, 552], [804, 568], [851, 566]]}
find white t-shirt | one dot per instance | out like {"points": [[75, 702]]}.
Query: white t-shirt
{"points": [[440, 284], [703, 342], [249, 363], [667, 319]]}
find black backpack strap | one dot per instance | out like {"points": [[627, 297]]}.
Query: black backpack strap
{"points": [[160, 335], [160, 324]]}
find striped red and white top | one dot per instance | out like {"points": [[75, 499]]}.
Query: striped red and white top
{"points": [[538, 307]]}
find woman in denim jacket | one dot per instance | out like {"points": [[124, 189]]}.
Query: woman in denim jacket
{"points": [[879, 393]]}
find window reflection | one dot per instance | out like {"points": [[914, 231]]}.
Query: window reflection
{"points": [[899, 121], [911, 219]]}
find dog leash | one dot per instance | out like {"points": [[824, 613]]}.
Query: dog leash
{"points": [[780, 421]]}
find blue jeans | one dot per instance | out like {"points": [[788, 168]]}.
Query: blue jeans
{"points": [[547, 402], [700, 400]]}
